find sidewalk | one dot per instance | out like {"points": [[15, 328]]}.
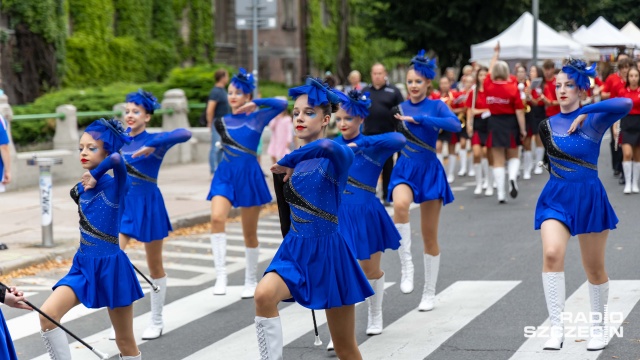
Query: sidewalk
{"points": [[184, 188]]}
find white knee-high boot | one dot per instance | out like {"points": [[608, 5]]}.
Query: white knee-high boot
{"points": [[636, 176], [627, 167], [599, 296], [154, 330], [440, 158], [137, 357], [554, 293], [498, 173], [472, 171], [250, 272], [269, 332], [451, 177], [219, 249], [527, 159], [431, 268], [463, 162], [406, 281], [514, 168], [478, 174], [539, 156], [57, 344], [374, 302]]}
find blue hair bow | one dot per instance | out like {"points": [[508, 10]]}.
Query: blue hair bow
{"points": [[423, 65], [144, 99], [319, 93], [578, 71], [355, 103], [111, 133], [243, 81]]}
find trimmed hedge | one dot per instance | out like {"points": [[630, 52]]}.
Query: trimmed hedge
{"points": [[196, 82]]}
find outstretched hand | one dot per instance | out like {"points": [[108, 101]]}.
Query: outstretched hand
{"points": [[577, 123], [88, 181], [144, 151], [14, 298], [279, 169], [405, 118], [248, 107]]}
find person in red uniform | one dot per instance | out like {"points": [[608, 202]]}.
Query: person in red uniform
{"points": [[630, 129], [506, 125], [447, 96], [459, 107], [477, 127], [612, 85], [537, 115]]}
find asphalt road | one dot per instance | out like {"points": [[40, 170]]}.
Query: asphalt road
{"points": [[489, 290]]}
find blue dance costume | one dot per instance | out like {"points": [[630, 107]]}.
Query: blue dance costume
{"points": [[7, 350], [145, 216], [101, 274], [363, 219], [239, 177], [418, 167], [315, 260], [574, 194]]}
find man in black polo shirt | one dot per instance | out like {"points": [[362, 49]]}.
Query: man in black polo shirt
{"points": [[384, 97]]}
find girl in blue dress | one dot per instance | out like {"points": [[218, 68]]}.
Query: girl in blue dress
{"points": [[574, 202], [101, 274], [363, 219], [239, 180], [10, 297], [418, 175], [315, 265], [145, 216]]}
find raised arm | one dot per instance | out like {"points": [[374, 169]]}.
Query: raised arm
{"points": [[446, 120], [115, 162], [168, 139], [340, 156], [605, 113], [269, 109]]}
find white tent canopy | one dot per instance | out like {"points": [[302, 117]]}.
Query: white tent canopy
{"points": [[632, 31], [516, 42], [602, 34]]}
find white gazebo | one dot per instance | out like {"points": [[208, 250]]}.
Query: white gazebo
{"points": [[516, 43], [632, 31], [602, 34]]}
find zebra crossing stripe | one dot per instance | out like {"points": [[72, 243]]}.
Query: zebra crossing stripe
{"points": [[417, 334], [296, 322], [176, 314], [623, 296]]}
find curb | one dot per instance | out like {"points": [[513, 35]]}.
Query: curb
{"points": [[66, 251]]}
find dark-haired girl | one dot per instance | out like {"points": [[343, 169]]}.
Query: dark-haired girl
{"points": [[145, 216], [363, 219], [101, 274], [239, 180], [574, 202], [418, 175], [630, 131], [315, 265]]}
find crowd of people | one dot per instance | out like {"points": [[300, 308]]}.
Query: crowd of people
{"points": [[335, 229]]}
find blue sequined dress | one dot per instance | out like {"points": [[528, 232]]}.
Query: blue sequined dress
{"points": [[145, 216], [418, 167], [574, 194], [101, 274], [363, 219], [239, 177], [315, 260], [7, 350]]}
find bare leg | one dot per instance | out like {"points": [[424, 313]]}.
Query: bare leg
{"points": [[429, 218], [220, 207], [122, 320], [57, 305], [371, 267], [342, 326], [250, 217]]}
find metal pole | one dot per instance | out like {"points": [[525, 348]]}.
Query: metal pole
{"points": [[255, 46], [46, 205], [536, 5]]}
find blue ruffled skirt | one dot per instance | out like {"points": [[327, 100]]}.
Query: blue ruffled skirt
{"points": [[427, 179], [7, 351], [242, 182], [582, 206], [368, 228], [145, 216], [320, 272], [100, 281]]}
